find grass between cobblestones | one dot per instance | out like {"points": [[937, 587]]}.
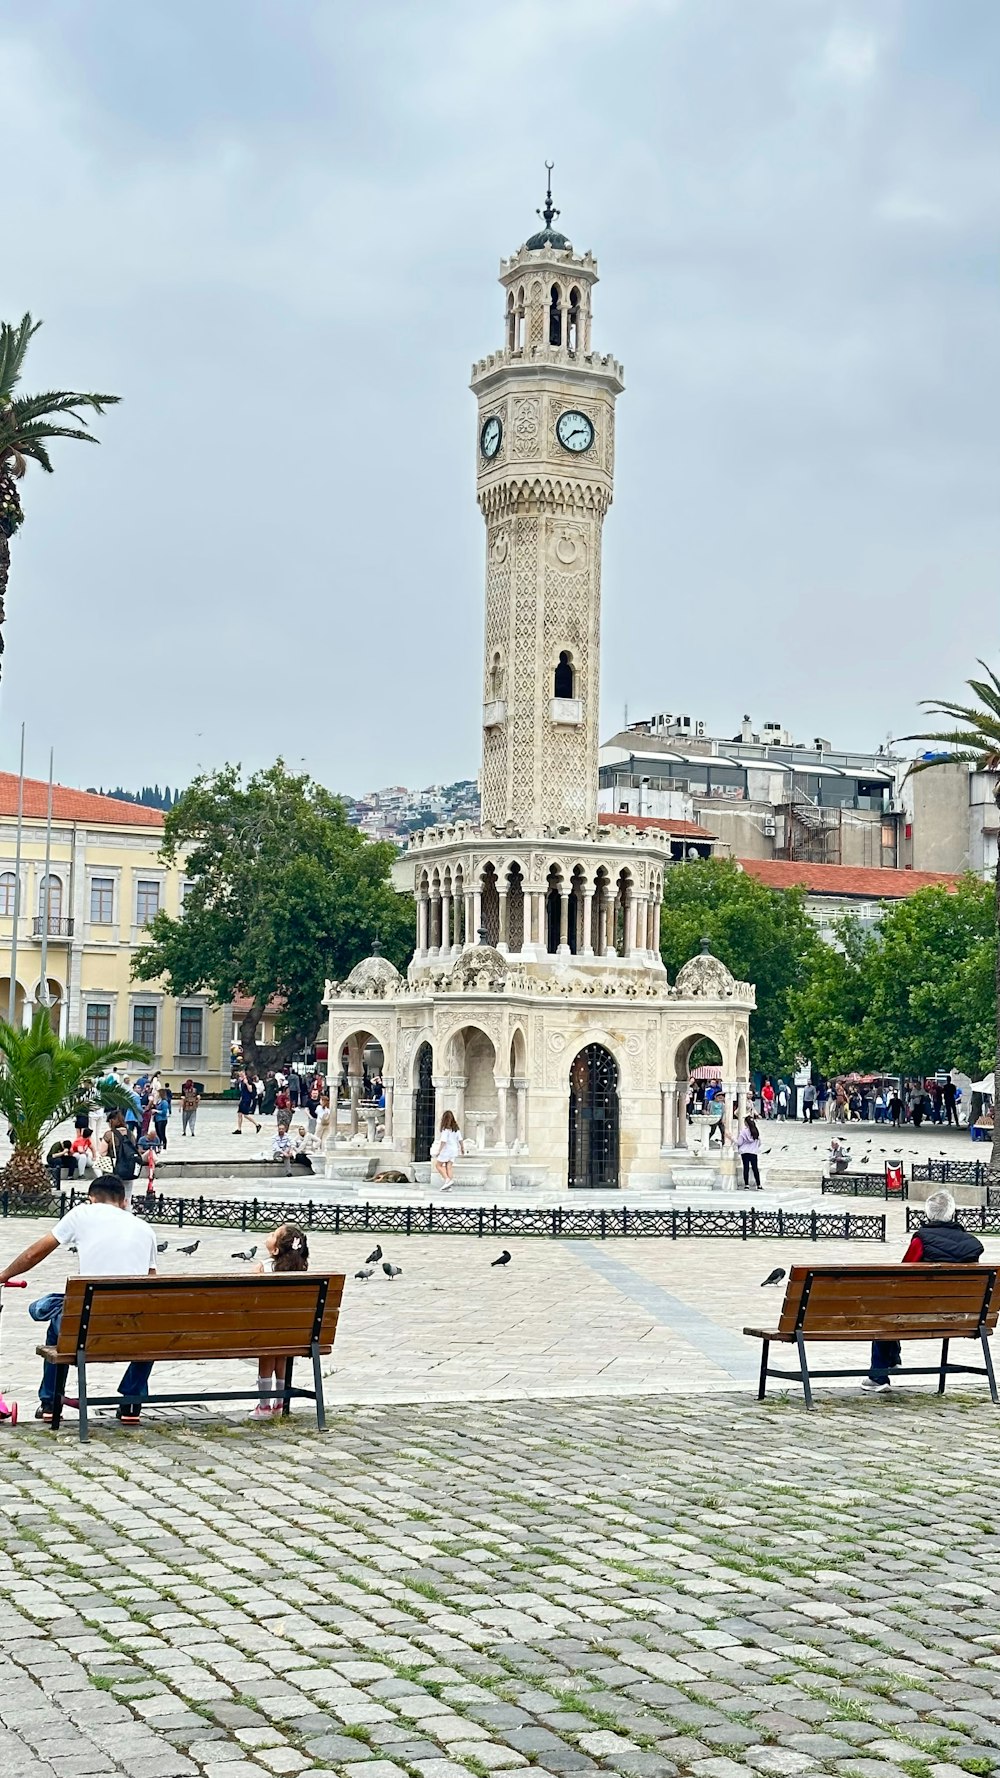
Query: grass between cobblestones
{"points": [[645, 1587]]}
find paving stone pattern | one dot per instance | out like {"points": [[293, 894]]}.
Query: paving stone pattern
{"points": [[648, 1587]]}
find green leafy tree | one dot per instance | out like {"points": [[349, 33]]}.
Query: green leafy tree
{"points": [[763, 935], [27, 423], [826, 1009], [43, 1080], [283, 893], [973, 739], [928, 983]]}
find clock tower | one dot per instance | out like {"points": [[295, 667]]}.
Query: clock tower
{"points": [[545, 463]]}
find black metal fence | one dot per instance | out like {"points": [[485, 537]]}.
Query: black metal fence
{"points": [[861, 1185], [952, 1172], [251, 1215], [979, 1219]]}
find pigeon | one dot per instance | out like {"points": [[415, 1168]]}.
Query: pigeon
{"points": [[391, 1271], [504, 1259], [774, 1277], [865, 1158], [192, 1249], [374, 1256], [247, 1255], [161, 1246], [767, 1151], [784, 1148], [365, 1273]]}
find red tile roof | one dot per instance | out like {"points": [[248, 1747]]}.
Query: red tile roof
{"points": [[74, 805], [683, 829], [844, 879]]}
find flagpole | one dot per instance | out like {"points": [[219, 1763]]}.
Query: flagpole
{"points": [[43, 991], [12, 996]]}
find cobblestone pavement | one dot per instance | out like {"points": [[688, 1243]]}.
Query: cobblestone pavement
{"points": [[681, 1586]]}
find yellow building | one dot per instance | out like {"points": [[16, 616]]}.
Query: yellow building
{"points": [[106, 881]]}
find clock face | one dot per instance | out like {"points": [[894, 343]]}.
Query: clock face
{"points": [[574, 431], [490, 436]]}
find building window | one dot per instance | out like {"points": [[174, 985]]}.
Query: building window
{"points": [[99, 1023], [102, 900], [144, 1026], [50, 901], [8, 891], [563, 678], [189, 1031], [147, 900]]}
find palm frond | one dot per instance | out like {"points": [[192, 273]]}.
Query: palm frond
{"points": [[58, 401], [44, 1078], [14, 342]]}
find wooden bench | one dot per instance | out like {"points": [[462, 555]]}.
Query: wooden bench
{"points": [[116, 1320], [915, 1302]]}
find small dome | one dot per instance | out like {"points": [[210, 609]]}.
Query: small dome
{"points": [[481, 960], [546, 237], [704, 978], [371, 971]]}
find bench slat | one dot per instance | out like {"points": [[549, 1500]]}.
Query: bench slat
{"points": [[213, 1315]]}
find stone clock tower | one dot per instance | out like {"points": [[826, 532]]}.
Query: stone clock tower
{"points": [[545, 461], [536, 1007]]}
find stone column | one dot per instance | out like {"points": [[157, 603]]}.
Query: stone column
{"points": [[520, 1086], [423, 923], [388, 1136], [502, 896], [355, 1083], [564, 922], [477, 915], [501, 1086], [668, 1099], [631, 910], [538, 899], [585, 948], [470, 927]]}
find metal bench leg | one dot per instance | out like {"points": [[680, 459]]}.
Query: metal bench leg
{"points": [[81, 1389], [762, 1386], [800, 1346], [57, 1399], [988, 1362], [318, 1387], [286, 1404], [943, 1373]]}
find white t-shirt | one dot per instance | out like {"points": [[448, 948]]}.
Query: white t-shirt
{"points": [[109, 1242]]}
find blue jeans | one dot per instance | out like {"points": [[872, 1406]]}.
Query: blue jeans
{"points": [[886, 1355], [134, 1385]]}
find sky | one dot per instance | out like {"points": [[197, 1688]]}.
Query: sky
{"points": [[275, 231]]}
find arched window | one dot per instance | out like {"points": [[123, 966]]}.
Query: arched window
{"points": [[50, 901], [496, 678], [564, 676], [8, 890], [511, 323], [573, 324], [555, 317], [519, 339]]}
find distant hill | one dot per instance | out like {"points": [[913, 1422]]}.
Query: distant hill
{"points": [[150, 796]]}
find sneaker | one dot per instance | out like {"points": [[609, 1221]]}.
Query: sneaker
{"points": [[262, 1411], [129, 1412], [44, 1413], [237, 1132], [873, 1386]]}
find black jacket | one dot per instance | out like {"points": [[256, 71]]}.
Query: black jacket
{"points": [[947, 1243]]}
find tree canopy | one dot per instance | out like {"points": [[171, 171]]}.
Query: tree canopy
{"points": [[282, 892], [763, 935]]}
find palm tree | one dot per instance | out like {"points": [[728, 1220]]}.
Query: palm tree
{"points": [[26, 422], [43, 1080], [975, 742]]}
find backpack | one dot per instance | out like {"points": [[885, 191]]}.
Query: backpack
{"points": [[126, 1157]]}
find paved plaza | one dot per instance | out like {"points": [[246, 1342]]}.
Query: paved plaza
{"points": [[649, 1587]]}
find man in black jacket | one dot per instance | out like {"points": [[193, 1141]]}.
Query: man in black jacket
{"points": [[940, 1241]]}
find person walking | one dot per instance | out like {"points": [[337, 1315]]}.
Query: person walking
{"points": [[748, 1148], [189, 1107], [446, 1149], [941, 1240], [895, 1108], [949, 1097], [917, 1103], [247, 1084], [161, 1113], [809, 1103]]}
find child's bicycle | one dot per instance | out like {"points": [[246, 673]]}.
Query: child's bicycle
{"points": [[8, 1409]]}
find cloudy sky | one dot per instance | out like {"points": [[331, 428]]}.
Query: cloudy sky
{"points": [[274, 229]]}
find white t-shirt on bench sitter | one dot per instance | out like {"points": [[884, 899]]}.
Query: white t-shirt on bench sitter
{"points": [[110, 1243]]}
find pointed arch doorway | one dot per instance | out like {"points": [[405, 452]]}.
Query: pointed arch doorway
{"points": [[594, 1120], [423, 1109]]}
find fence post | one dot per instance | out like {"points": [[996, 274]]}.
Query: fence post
{"points": [[201, 1209], [812, 1226], [408, 1214], [603, 1226], [180, 1213], [781, 1222], [688, 1213], [243, 1217], [481, 1214], [743, 1223], [624, 1219], [336, 1219]]}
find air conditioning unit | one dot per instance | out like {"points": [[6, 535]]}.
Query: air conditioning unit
{"points": [[699, 728], [894, 806], [768, 827]]}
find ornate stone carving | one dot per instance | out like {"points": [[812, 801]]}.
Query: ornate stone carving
{"points": [[527, 426], [704, 978]]}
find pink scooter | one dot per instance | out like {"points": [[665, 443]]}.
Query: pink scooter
{"points": [[8, 1409]]}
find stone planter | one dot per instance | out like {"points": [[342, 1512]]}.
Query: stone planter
{"points": [[341, 1166], [471, 1169], [525, 1175]]}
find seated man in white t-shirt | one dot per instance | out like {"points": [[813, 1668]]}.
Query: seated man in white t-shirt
{"points": [[108, 1244]]}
